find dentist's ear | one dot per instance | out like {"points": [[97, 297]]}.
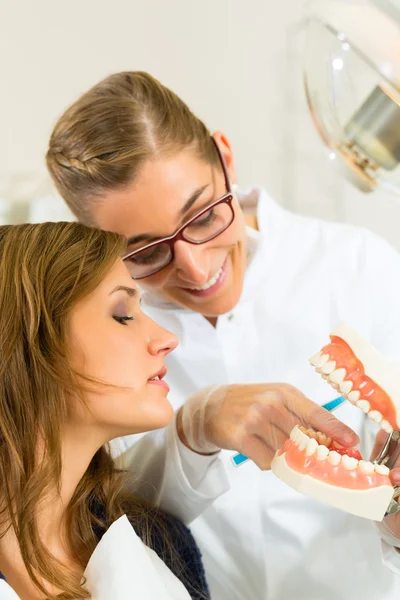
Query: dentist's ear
{"points": [[227, 152]]}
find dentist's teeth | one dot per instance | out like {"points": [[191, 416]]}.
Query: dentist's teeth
{"points": [[334, 458], [381, 470], [329, 367], [366, 467], [208, 284], [345, 387], [322, 452], [319, 360], [350, 463], [375, 415], [312, 445], [386, 426], [364, 405], [337, 376], [354, 396]]}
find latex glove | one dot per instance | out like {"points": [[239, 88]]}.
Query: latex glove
{"points": [[253, 419], [391, 529]]}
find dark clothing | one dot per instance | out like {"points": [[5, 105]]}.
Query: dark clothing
{"points": [[184, 560]]}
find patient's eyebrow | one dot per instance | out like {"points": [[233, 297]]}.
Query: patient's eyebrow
{"points": [[147, 237], [123, 288]]}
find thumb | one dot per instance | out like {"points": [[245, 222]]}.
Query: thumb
{"points": [[380, 440], [325, 422]]}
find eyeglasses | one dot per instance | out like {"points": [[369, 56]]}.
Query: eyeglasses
{"points": [[202, 228]]}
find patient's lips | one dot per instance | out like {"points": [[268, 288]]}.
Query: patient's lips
{"points": [[362, 375]]}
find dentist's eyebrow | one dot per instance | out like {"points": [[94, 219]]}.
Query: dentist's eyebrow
{"points": [[146, 237], [123, 288]]}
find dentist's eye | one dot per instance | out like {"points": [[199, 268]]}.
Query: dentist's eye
{"points": [[122, 319]]}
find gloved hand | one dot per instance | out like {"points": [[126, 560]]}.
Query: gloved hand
{"points": [[253, 419], [390, 526]]}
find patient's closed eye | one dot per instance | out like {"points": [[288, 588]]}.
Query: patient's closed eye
{"points": [[123, 319], [120, 314]]}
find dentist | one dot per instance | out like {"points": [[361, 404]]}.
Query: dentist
{"points": [[252, 291]]}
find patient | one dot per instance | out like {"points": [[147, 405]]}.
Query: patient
{"points": [[80, 364]]}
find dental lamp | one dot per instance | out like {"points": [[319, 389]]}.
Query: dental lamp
{"points": [[352, 84]]}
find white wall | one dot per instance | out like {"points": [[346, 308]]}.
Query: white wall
{"points": [[237, 64]]}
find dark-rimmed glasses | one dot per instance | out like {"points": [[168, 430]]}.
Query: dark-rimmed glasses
{"points": [[200, 229]]}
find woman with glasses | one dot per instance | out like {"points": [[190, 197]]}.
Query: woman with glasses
{"points": [[251, 297]]}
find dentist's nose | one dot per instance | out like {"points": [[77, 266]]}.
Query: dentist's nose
{"points": [[161, 341], [192, 262]]}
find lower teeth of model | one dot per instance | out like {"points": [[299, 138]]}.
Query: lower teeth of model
{"points": [[206, 286]]}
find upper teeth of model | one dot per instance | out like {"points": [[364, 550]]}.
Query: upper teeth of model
{"points": [[208, 284], [337, 378]]}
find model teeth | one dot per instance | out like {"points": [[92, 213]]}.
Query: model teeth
{"points": [[349, 462], [318, 360], [337, 376], [386, 426], [345, 387], [329, 367], [323, 439], [375, 415], [208, 284], [354, 396], [322, 452], [311, 447], [381, 470], [366, 467], [309, 443], [302, 441], [364, 405]]}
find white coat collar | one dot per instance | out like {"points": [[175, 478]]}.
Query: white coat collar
{"points": [[122, 568]]}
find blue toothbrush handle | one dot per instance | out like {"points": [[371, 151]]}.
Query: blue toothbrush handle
{"points": [[239, 459]]}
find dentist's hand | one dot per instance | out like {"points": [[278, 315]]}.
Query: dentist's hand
{"points": [[253, 419], [392, 522]]}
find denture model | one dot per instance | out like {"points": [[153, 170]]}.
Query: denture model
{"points": [[316, 466]]}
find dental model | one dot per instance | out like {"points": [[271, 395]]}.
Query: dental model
{"points": [[313, 464]]}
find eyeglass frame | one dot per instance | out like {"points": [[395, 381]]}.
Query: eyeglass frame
{"points": [[170, 240]]}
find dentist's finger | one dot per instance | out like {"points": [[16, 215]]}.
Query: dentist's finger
{"points": [[322, 420]]}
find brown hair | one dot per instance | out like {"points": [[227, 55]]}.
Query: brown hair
{"points": [[45, 270], [102, 140]]}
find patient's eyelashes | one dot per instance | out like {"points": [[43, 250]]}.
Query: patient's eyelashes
{"points": [[123, 320]]}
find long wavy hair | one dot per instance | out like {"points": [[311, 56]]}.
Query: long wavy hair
{"points": [[102, 140], [44, 271]]}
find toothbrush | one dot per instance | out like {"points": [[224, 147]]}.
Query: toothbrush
{"points": [[239, 459]]}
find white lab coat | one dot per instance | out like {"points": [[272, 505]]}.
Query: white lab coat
{"points": [[122, 567], [262, 540]]}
